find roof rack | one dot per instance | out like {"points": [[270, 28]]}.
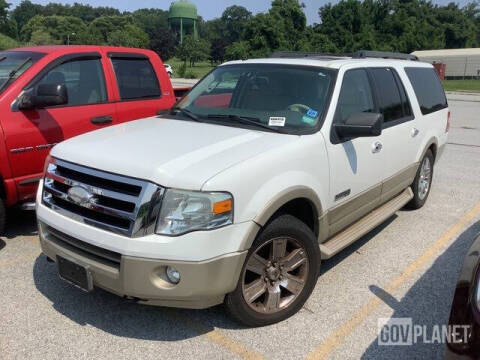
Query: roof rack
{"points": [[299, 55], [362, 54]]}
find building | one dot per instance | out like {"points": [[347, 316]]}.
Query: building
{"points": [[460, 63], [182, 19]]}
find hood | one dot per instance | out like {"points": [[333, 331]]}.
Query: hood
{"points": [[171, 153]]}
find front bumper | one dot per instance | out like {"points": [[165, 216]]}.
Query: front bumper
{"points": [[203, 284]]}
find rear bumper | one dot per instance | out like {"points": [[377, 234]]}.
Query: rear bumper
{"points": [[203, 284]]}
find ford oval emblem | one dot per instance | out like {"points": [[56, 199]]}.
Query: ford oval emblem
{"points": [[79, 195]]}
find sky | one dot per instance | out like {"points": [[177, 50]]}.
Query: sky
{"points": [[208, 9]]}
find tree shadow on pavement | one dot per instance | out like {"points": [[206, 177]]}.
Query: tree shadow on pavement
{"points": [[427, 302], [120, 317]]}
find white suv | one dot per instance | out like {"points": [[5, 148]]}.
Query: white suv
{"points": [[265, 168]]}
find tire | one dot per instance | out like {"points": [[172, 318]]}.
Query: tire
{"points": [[420, 193], [276, 302], [3, 216]]}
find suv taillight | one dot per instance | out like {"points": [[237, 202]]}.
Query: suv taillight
{"points": [[447, 129]]}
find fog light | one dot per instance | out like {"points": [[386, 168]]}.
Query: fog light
{"points": [[173, 275]]}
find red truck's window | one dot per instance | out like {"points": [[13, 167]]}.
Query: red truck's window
{"points": [[136, 78], [84, 81]]}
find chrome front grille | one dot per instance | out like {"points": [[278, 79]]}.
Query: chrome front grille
{"points": [[116, 203]]}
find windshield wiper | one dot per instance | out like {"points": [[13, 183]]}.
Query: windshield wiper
{"points": [[13, 73], [246, 120], [3, 58], [188, 113]]}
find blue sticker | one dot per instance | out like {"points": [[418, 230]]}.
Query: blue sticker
{"points": [[312, 113]]}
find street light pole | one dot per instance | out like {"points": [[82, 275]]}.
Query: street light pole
{"points": [[68, 37]]}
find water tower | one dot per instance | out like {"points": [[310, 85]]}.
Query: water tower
{"points": [[182, 18]]}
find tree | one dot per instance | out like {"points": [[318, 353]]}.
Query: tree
{"points": [[25, 11], [130, 36], [163, 43], [238, 51], [150, 20], [192, 50], [59, 27], [40, 37], [234, 19], [217, 52]]}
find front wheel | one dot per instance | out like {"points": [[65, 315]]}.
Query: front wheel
{"points": [[279, 274], [423, 182]]}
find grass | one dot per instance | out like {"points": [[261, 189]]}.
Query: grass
{"points": [[462, 85], [198, 71]]}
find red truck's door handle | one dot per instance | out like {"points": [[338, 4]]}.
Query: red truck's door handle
{"points": [[100, 120]]}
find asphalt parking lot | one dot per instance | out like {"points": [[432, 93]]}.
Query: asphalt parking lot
{"points": [[405, 268]]}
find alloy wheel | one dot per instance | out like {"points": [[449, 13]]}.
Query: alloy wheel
{"points": [[275, 275]]}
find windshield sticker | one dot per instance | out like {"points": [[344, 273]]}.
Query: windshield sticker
{"points": [[312, 113], [276, 121], [308, 120]]}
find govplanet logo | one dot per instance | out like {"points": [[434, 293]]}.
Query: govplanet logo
{"points": [[402, 331]]}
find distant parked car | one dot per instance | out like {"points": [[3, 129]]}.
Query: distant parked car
{"points": [[465, 313], [169, 69]]}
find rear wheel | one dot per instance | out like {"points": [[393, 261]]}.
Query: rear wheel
{"points": [[423, 182], [279, 274]]}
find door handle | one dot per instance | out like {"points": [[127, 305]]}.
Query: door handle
{"points": [[377, 146], [415, 132], [101, 120]]}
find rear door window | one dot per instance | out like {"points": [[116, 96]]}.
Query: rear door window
{"points": [[136, 78], [428, 89], [390, 101]]}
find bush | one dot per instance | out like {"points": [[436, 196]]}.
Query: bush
{"points": [[7, 43], [182, 70], [190, 75]]}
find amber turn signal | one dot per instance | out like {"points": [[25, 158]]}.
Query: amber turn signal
{"points": [[222, 206]]}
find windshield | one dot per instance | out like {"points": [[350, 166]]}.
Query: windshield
{"points": [[11, 65], [280, 97]]}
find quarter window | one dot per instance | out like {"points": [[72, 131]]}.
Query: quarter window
{"points": [[428, 89], [355, 95], [84, 81], [390, 102], [136, 78]]}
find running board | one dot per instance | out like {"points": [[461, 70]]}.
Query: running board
{"points": [[364, 225]]}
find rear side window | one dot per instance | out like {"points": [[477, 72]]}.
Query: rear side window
{"points": [[136, 78], [428, 89], [390, 101]]}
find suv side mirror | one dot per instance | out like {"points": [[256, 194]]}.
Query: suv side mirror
{"points": [[44, 95], [360, 125]]}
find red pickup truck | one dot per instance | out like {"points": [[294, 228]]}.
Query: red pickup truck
{"points": [[52, 93]]}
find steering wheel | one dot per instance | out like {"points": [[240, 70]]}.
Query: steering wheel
{"points": [[301, 108]]}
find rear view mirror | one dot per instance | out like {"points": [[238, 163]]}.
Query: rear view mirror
{"points": [[44, 95], [360, 125]]}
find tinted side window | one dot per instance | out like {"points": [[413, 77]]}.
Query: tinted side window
{"points": [[136, 78], [428, 89], [389, 96], [84, 81], [355, 95]]}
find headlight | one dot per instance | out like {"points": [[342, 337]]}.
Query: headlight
{"points": [[185, 211]]}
